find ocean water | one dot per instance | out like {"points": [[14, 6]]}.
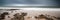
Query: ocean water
{"points": [[43, 2]]}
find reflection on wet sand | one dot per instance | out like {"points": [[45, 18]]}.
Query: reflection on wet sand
{"points": [[25, 16]]}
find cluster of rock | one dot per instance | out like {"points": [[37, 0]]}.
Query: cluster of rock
{"points": [[46, 17], [19, 17], [2, 16]]}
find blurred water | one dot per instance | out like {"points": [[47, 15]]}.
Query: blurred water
{"points": [[44, 2]]}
